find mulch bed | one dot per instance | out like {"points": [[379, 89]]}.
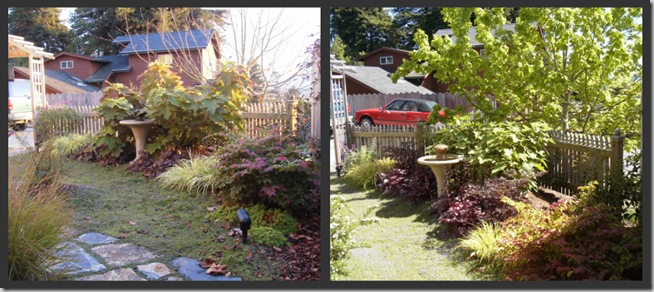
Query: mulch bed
{"points": [[302, 258]]}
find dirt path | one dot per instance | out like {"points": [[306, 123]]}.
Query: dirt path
{"points": [[403, 245]]}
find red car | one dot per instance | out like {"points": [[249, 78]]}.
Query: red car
{"points": [[396, 112]]}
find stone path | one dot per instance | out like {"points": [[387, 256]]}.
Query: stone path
{"points": [[98, 257]]}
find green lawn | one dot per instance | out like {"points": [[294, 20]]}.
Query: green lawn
{"points": [[120, 203], [404, 245]]}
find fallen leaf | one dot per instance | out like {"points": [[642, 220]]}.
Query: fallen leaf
{"points": [[132, 222], [206, 263], [260, 275], [217, 269], [123, 235], [249, 256], [142, 231], [292, 250], [277, 249], [221, 239], [230, 233], [238, 231], [211, 209], [226, 226]]}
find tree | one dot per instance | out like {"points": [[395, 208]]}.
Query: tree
{"points": [[95, 28], [362, 29], [407, 20], [577, 69], [338, 50], [40, 25]]}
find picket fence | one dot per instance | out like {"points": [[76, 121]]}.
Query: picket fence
{"points": [[573, 159]]}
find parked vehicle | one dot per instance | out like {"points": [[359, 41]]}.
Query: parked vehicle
{"points": [[20, 104], [397, 112]]}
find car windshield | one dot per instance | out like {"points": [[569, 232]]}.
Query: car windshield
{"points": [[426, 106]]}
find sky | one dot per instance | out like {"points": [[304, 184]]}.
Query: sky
{"points": [[295, 30]]}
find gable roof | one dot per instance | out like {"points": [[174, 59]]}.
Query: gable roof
{"points": [[405, 52], [380, 80], [472, 33], [79, 56], [61, 81], [116, 64], [165, 41]]}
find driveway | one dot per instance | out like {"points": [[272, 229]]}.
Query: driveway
{"points": [[20, 142]]}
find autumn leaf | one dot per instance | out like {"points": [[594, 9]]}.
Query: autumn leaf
{"points": [[206, 263], [123, 235], [132, 222], [249, 256], [277, 249], [217, 269], [211, 209]]}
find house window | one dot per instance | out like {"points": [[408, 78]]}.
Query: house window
{"points": [[386, 60], [66, 64], [165, 58], [482, 53]]}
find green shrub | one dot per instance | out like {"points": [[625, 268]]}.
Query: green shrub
{"points": [[277, 219], [366, 174], [341, 230], [56, 121], [195, 175], [268, 236], [507, 148], [37, 215], [71, 144], [184, 117], [482, 244], [362, 155]]}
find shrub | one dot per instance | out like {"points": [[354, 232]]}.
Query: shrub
{"points": [[407, 179], [341, 230], [625, 193], [273, 171], [366, 174], [194, 175], [56, 121], [362, 155], [277, 219], [268, 236], [37, 215], [184, 117], [481, 203], [508, 148], [71, 144]]}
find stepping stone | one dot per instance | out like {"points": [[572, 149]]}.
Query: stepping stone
{"points": [[154, 271], [77, 260], [120, 254], [115, 275], [94, 238], [174, 278], [191, 269]]}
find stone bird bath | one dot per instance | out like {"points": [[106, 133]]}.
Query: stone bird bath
{"points": [[140, 129], [438, 164]]}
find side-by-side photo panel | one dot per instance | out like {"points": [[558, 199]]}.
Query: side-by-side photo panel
{"points": [[486, 144], [164, 144]]}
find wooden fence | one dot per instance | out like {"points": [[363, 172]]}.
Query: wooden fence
{"points": [[260, 119], [573, 159], [75, 99], [364, 101]]}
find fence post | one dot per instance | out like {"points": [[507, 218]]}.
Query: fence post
{"points": [[420, 138], [290, 110], [349, 139], [617, 153]]}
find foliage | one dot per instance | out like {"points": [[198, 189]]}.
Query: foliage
{"points": [[37, 216], [364, 154], [341, 230], [268, 236], [71, 144], [625, 193], [183, 117], [338, 50], [194, 175], [54, 117], [575, 69], [366, 174], [363, 29], [40, 25], [572, 240], [440, 114], [280, 220], [507, 148], [95, 27], [407, 179], [274, 171], [483, 243], [407, 20], [481, 203]]}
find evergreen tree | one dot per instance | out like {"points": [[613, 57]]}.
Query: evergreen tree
{"points": [[363, 29], [40, 25]]}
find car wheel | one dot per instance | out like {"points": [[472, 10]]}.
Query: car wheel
{"points": [[366, 123], [19, 127]]}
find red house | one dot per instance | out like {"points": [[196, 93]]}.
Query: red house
{"points": [[194, 55]]}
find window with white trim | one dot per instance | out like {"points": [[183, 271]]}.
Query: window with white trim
{"points": [[165, 58], [66, 65], [386, 60]]}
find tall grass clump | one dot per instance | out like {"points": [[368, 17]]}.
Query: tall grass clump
{"points": [[482, 245], [37, 215], [197, 174], [366, 174], [70, 144]]}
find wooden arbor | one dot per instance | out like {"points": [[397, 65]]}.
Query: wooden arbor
{"points": [[18, 48]]}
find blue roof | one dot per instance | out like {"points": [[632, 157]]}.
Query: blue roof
{"points": [[70, 80], [165, 41], [119, 63]]}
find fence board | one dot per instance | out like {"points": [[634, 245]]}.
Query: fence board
{"points": [[75, 99]]}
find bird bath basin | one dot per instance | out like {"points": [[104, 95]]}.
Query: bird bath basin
{"points": [[438, 164], [140, 129]]}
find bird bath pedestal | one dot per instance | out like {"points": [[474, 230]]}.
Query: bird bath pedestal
{"points": [[438, 164], [140, 130]]}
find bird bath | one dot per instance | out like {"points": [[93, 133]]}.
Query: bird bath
{"points": [[438, 164], [140, 129]]}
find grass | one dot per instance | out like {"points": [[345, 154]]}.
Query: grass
{"points": [[116, 202], [404, 245]]}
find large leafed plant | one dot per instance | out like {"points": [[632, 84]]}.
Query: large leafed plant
{"points": [[183, 116]]}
